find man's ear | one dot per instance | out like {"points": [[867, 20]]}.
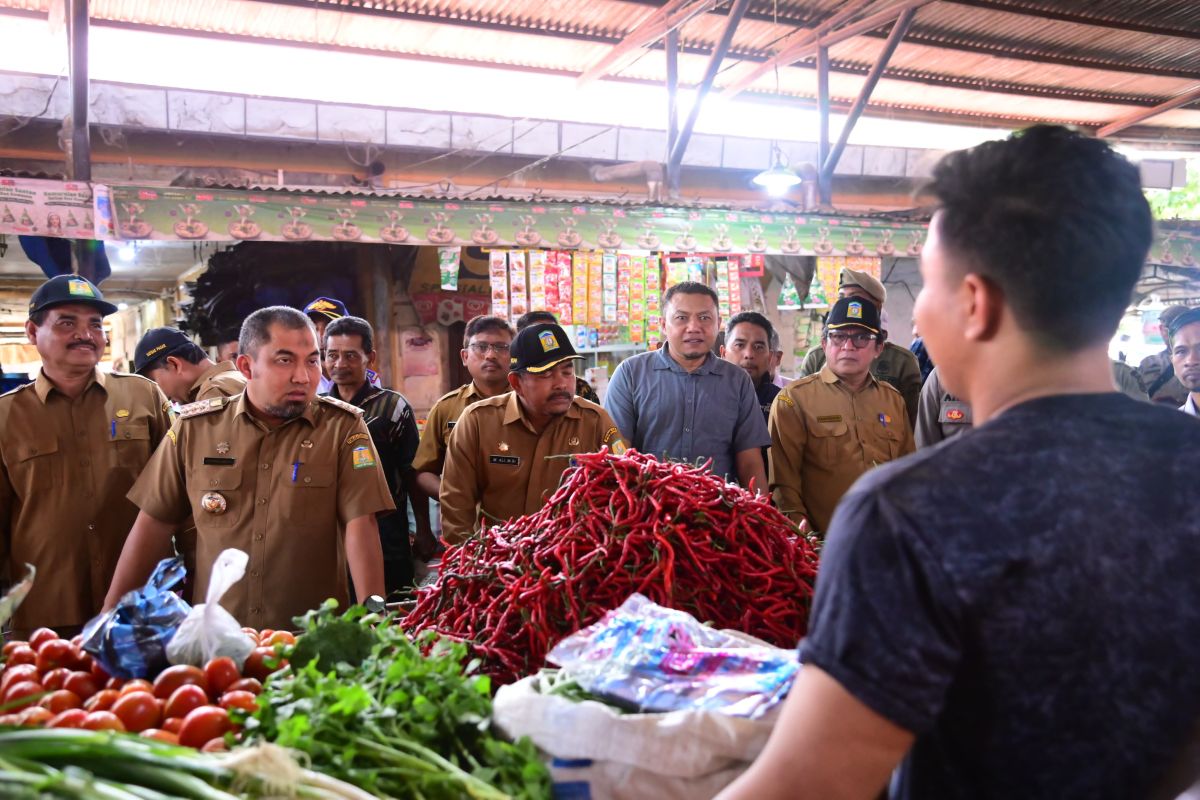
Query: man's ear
{"points": [[514, 380], [722, 351], [31, 331], [242, 363], [372, 357], [983, 307]]}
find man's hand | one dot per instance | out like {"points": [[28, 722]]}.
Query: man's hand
{"points": [[425, 544], [149, 542]]}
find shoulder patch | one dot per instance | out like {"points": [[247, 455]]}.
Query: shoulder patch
{"points": [[171, 436], [807, 379], [20, 388], [357, 437], [201, 407], [344, 406], [786, 398]]}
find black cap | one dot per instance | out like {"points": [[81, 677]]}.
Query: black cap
{"points": [[1186, 318], [540, 347], [856, 312], [157, 343], [327, 307], [63, 289]]}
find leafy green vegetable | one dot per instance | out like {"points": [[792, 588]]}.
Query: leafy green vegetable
{"points": [[394, 721]]}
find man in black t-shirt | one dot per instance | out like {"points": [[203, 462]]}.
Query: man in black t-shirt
{"points": [[1012, 614]]}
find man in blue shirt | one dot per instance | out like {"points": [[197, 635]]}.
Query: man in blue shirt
{"points": [[684, 403], [1012, 615]]}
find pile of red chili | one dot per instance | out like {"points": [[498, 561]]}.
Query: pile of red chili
{"points": [[618, 525]]}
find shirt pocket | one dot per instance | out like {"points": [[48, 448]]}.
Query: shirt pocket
{"points": [[829, 443], [37, 464], [224, 487], [312, 501], [131, 444], [886, 439]]}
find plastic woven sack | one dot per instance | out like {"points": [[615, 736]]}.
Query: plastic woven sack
{"points": [[130, 641], [209, 630]]}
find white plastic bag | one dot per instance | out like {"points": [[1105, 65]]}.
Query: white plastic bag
{"points": [[209, 630]]}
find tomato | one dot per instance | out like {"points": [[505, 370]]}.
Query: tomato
{"points": [[53, 654], [60, 701], [79, 660], [103, 721], [216, 745], [114, 683], [21, 672], [13, 645], [186, 698], [203, 725], [136, 685], [35, 717], [41, 636], [72, 718], [15, 697], [160, 735], [220, 673], [21, 655], [251, 685], [172, 678], [172, 725], [99, 672], [82, 684], [280, 637], [101, 701], [137, 711], [237, 699], [54, 679], [256, 664]]}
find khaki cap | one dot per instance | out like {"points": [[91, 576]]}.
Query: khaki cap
{"points": [[872, 286]]}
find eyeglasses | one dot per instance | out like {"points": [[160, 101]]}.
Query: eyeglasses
{"points": [[860, 340], [481, 348]]}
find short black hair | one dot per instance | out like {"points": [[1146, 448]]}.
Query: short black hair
{"points": [[487, 323], [690, 287], [38, 318], [190, 352], [1057, 221], [535, 318], [256, 328], [352, 326], [754, 318]]}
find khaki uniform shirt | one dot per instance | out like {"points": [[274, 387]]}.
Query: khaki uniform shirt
{"points": [[823, 437], [66, 466], [431, 452], [895, 365], [279, 494], [498, 467], [219, 380], [1169, 392]]}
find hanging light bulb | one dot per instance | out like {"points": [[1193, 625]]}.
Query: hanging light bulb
{"points": [[780, 177]]}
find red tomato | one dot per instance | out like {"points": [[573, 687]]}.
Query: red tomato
{"points": [[35, 717], [101, 701], [60, 701], [172, 725], [203, 725], [80, 661], [99, 672], [72, 718], [15, 697], [103, 721], [21, 672], [137, 711], [251, 685], [41, 636], [220, 674], [21, 655], [237, 699], [10, 646], [82, 684], [186, 698], [54, 654], [172, 678], [280, 637], [257, 663], [54, 679], [136, 685], [216, 745], [160, 735]]}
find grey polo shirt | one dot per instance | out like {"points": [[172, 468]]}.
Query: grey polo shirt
{"points": [[665, 410]]}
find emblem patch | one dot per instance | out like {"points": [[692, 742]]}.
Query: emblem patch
{"points": [[854, 311], [222, 447], [213, 503], [617, 448], [122, 413], [955, 415], [502, 447], [80, 288], [362, 457], [171, 436], [307, 445], [548, 340], [573, 441]]}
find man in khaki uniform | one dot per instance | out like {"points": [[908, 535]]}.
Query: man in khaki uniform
{"points": [[828, 429], [485, 354], [895, 365], [274, 472], [72, 443], [505, 453], [1156, 372], [182, 369]]}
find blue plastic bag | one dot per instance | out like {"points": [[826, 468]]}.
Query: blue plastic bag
{"points": [[130, 641]]}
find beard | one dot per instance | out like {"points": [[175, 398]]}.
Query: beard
{"points": [[286, 410]]}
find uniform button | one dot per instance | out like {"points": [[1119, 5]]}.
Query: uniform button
{"points": [[262, 501], [254, 573], [254, 611], [266, 466], [258, 537], [91, 526], [308, 480], [127, 434], [84, 462], [687, 430]]}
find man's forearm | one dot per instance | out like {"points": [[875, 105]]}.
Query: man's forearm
{"points": [[149, 542], [751, 472], [430, 483], [364, 554], [420, 503]]}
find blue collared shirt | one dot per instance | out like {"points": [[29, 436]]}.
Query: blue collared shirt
{"points": [[665, 410]]}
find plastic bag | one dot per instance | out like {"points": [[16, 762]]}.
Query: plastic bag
{"points": [[650, 658], [130, 641], [209, 630]]}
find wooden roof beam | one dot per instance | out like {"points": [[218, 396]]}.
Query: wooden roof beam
{"points": [[1121, 124], [649, 30], [825, 37]]}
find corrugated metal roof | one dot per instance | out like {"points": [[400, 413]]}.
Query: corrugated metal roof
{"points": [[1021, 60]]}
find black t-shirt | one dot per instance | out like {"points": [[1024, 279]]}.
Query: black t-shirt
{"points": [[1025, 598]]}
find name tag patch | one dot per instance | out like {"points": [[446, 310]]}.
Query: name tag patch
{"points": [[830, 418], [506, 461], [220, 462]]}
